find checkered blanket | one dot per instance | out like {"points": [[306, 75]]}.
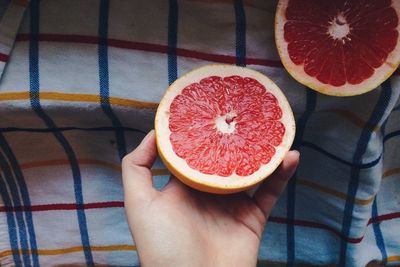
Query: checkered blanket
{"points": [[80, 84]]}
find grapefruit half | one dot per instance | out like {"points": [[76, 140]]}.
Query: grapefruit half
{"points": [[339, 47], [223, 129]]}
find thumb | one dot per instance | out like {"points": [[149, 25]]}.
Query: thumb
{"points": [[136, 174], [270, 190]]}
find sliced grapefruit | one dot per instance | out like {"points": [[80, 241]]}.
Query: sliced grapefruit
{"points": [[339, 47], [223, 129]]}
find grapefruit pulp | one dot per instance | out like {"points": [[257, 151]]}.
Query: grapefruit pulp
{"points": [[223, 129], [339, 47]]}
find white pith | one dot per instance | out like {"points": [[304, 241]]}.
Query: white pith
{"points": [[234, 181], [222, 124], [339, 28], [298, 73]]}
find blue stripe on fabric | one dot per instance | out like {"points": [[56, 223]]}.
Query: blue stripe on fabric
{"points": [[383, 132], [14, 192], [240, 16], [12, 226], [391, 135], [25, 196], [107, 128], [129, 129], [361, 148], [336, 158], [311, 102], [380, 242], [35, 103], [104, 77], [172, 41]]}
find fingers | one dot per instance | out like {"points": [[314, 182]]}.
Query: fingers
{"points": [[176, 187], [270, 190], [145, 154], [136, 166], [173, 183]]}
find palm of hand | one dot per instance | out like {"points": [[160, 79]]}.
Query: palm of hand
{"points": [[183, 227]]}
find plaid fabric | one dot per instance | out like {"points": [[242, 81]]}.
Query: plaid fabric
{"points": [[80, 90], [11, 13]]}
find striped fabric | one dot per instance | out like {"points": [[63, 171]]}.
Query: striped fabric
{"points": [[11, 14], [80, 89]]}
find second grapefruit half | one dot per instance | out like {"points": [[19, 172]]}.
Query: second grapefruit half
{"points": [[339, 47]]}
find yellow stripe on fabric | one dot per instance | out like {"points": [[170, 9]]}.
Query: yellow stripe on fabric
{"points": [[393, 258], [160, 172], [111, 248], [333, 192], [56, 162], [52, 252], [72, 97], [391, 172]]}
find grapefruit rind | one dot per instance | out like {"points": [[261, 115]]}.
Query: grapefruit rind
{"points": [[380, 75], [214, 183]]}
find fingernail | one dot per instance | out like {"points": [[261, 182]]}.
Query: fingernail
{"points": [[295, 152]]}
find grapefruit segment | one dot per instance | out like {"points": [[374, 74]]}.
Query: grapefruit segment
{"points": [[223, 129], [339, 47]]}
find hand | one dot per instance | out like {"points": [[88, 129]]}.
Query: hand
{"points": [[183, 227]]}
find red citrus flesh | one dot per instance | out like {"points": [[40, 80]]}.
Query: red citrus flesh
{"points": [[340, 43], [223, 128], [225, 125], [372, 35]]}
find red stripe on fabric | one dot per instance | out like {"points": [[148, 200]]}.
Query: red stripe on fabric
{"points": [[148, 48], [120, 204], [3, 57], [73, 206], [72, 38], [384, 217], [377, 219]]}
